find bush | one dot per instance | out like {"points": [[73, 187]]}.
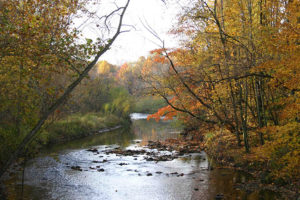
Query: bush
{"points": [[278, 159], [282, 151], [9, 140], [121, 102], [148, 104]]}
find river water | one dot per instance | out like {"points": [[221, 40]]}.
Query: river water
{"points": [[70, 172]]}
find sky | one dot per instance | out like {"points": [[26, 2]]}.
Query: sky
{"points": [[138, 42]]}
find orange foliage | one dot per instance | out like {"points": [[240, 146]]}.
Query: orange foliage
{"points": [[122, 71], [165, 113]]}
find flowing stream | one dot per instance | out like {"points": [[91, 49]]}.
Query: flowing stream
{"points": [[85, 170]]}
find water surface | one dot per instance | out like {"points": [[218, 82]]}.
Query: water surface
{"points": [[108, 176]]}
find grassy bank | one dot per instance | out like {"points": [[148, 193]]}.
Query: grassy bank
{"points": [[66, 129], [78, 126]]}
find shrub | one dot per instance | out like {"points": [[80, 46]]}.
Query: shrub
{"points": [[282, 151]]}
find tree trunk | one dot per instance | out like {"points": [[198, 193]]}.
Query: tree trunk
{"points": [[244, 116], [259, 108], [237, 132]]}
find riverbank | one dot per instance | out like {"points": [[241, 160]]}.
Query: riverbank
{"points": [[116, 165], [79, 126], [223, 152], [69, 128], [132, 165], [256, 183]]}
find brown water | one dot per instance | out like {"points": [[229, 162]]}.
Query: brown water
{"points": [[50, 176]]}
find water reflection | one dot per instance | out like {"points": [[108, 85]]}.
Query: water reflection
{"points": [[152, 130], [121, 137]]}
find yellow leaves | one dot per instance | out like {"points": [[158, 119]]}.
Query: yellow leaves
{"points": [[31, 57], [221, 52], [283, 149], [291, 111], [103, 67]]}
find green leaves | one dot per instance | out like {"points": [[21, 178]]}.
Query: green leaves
{"points": [[88, 41]]}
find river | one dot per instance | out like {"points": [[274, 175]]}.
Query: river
{"points": [[85, 170]]}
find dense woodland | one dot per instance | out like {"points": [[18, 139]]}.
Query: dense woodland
{"points": [[234, 79]]}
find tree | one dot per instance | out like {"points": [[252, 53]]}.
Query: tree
{"points": [[81, 67], [232, 69], [103, 67]]}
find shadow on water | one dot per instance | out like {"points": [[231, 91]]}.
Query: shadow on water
{"points": [[50, 176]]}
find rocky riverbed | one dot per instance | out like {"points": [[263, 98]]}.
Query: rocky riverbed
{"points": [[125, 165]]}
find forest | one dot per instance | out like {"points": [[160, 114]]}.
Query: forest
{"points": [[236, 79], [233, 82]]}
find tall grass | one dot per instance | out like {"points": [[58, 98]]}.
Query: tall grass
{"points": [[78, 126]]}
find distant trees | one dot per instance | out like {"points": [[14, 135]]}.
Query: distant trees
{"points": [[129, 76], [103, 67], [102, 92]]}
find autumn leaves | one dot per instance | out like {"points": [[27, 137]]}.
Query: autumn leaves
{"points": [[238, 69]]}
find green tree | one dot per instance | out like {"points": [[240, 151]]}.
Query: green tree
{"points": [[42, 62]]}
